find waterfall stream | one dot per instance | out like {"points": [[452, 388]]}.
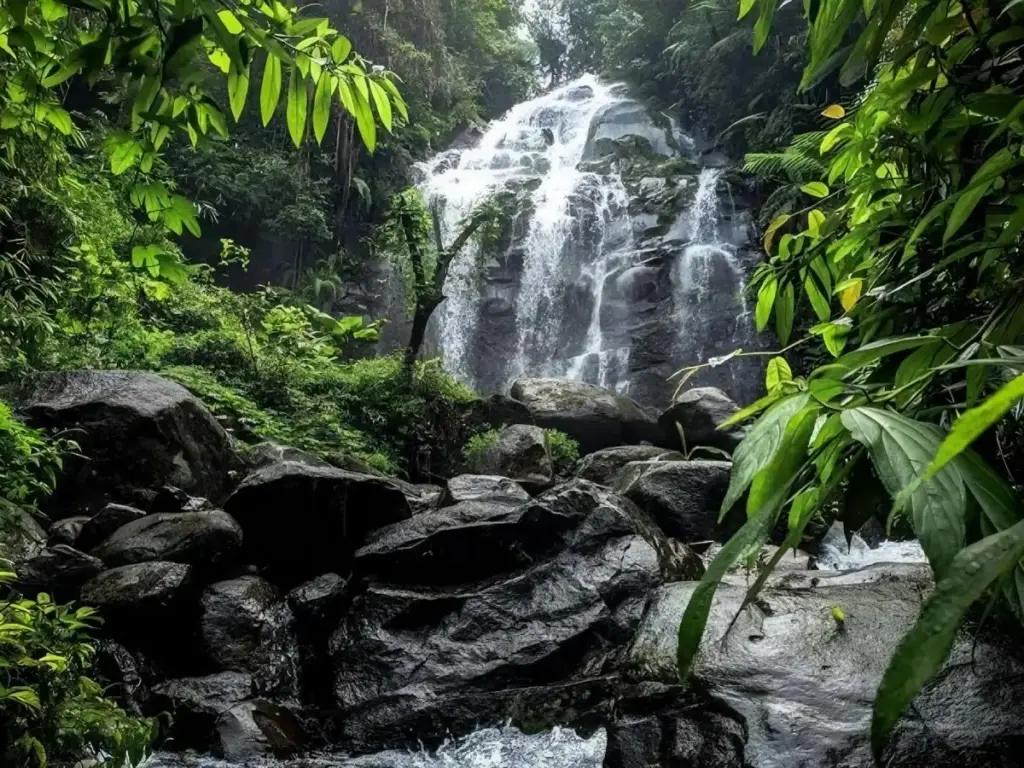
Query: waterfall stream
{"points": [[611, 273]]}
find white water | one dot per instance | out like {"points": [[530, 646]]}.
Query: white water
{"points": [[835, 554], [486, 748]]}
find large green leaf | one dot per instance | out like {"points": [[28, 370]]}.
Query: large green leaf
{"points": [[238, 90], [765, 301], [695, 618], [925, 648], [297, 106], [760, 446], [785, 309], [270, 89], [979, 186], [322, 105], [971, 424], [788, 459], [876, 350], [901, 448], [763, 25]]}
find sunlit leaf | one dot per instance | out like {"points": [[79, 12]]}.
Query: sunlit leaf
{"points": [[834, 112]]}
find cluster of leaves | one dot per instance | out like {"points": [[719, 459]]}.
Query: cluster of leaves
{"points": [[52, 711], [29, 463], [905, 260], [565, 451]]}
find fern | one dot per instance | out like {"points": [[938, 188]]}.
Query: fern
{"points": [[789, 163]]}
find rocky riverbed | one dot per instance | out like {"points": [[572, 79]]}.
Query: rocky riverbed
{"points": [[280, 607]]}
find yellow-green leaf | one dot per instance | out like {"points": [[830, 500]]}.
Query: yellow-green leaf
{"points": [[340, 49], [297, 106], [777, 374], [270, 90], [815, 189], [380, 99], [765, 301], [322, 105], [774, 227], [238, 89], [850, 295], [834, 112], [814, 221]]}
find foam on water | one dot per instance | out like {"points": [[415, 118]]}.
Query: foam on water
{"points": [[835, 554]]}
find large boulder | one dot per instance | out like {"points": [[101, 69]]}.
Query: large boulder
{"points": [[595, 417], [134, 430], [684, 497], [553, 610], [699, 412], [105, 523], [804, 684], [246, 626], [140, 590], [199, 538], [66, 531], [521, 453], [60, 570], [603, 466], [302, 519], [484, 488]]}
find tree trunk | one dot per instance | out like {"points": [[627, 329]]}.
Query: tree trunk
{"points": [[418, 334]]}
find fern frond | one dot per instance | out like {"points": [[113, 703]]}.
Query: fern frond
{"points": [[793, 164]]}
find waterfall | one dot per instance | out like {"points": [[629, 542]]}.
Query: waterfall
{"points": [[602, 277]]}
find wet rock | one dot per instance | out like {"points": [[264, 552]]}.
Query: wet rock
{"points": [[105, 523], [199, 538], [699, 412], [805, 686], [301, 520], [423, 497], [66, 531], [246, 626], [319, 601], [59, 570], [684, 497], [121, 674], [21, 537], [603, 466], [135, 430], [484, 488], [196, 703], [596, 418], [171, 499], [520, 453], [258, 728], [143, 589], [584, 561]]}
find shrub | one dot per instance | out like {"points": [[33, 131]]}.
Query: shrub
{"points": [[565, 451], [29, 463], [477, 444]]}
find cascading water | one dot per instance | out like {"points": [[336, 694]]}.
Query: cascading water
{"points": [[594, 282]]}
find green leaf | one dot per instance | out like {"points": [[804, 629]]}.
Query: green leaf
{"points": [[238, 90], [745, 413], [763, 25], [785, 307], [297, 106], [765, 301], [745, 7], [833, 137], [876, 350], [979, 186], [322, 105], [901, 449], [819, 302], [380, 100], [60, 120], [814, 221], [921, 654], [695, 617], [270, 90], [340, 49], [815, 189], [778, 373], [758, 448], [769, 233], [364, 116], [973, 423], [788, 459]]}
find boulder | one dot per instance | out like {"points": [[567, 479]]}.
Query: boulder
{"points": [[143, 589], [422, 497], [21, 537], [684, 497], [699, 412], [484, 488], [603, 466], [319, 601], [135, 430], [552, 611], [105, 523], [59, 570], [301, 520], [520, 453], [171, 499], [199, 538], [246, 626], [804, 685], [66, 531], [595, 417], [219, 714]]}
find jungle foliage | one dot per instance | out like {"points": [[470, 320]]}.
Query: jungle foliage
{"points": [[903, 260]]}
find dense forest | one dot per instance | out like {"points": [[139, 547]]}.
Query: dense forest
{"points": [[216, 191]]}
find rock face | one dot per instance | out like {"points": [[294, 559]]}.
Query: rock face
{"points": [[201, 538], [137, 430], [58, 569], [596, 418], [555, 608], [247, 627], [105, 523], [603, 466], [143, 589], [699, 412], [484, 488], [66, 531], [21, 537], [522, 454], [301, 520], [682, 496], [804, 685]]}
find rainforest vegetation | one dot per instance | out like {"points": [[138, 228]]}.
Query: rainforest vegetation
{"points": [[209, 190]]}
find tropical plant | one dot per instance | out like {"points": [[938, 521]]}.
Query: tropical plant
{"points": [[565, 451], [907, 254]]}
